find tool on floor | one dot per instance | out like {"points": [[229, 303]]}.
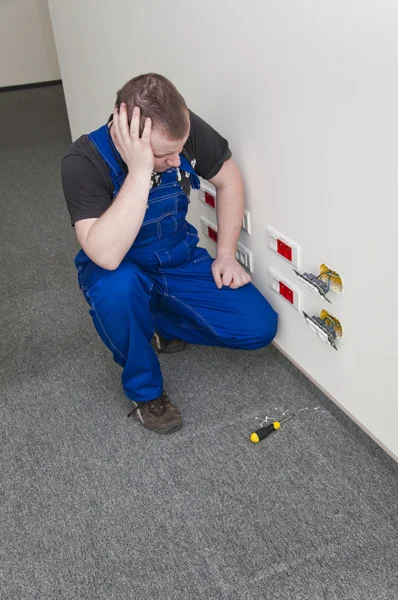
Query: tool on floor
{"points": [[262, 433]]}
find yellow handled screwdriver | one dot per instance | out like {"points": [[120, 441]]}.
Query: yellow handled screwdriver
{"points": [[262, 433]]}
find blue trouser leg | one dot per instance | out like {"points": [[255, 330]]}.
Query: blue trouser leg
{"points": [[196, 311], [120, 305], [186, 304]]}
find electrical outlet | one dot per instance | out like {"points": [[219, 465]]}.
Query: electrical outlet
{"points": [[207, 194], [322, 329], [244, 256], [281, 245], [284, 288], [314, 284], [246, 222], [208, 229]]}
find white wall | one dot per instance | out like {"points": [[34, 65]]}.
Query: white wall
{"points": [[307, 94], [27, 49]]}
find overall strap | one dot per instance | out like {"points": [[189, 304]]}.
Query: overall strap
{"points": [[188, 168], [102, 140]]}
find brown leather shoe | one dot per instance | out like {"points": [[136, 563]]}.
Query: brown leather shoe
{"points": [[158, 415], [160, 344]]}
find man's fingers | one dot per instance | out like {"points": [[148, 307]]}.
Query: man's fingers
{"points": [[246, 277], [233, 276], [240, 281], [146, 134], [123, 124], [116, 127], [227, 277], [216, 276], [135, 124]]}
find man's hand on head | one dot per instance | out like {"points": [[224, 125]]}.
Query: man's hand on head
{"points": [[228, 272], [136, 151]]}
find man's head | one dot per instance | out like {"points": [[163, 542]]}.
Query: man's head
{"points": [[158, 99]]}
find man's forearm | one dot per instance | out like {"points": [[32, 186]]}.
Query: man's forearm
{"points": [[230, 207], [111, 236]]}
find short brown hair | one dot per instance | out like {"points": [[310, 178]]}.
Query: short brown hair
{"points": [[158, 99]]}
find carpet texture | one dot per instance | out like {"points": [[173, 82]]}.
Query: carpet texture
{"points": [[95, 507]]}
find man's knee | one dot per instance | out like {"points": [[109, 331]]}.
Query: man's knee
{"points": [[266, 331], [122, 286], [260, 325], [253, 326]]}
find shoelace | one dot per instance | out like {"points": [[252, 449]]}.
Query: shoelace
{"points": [[157, 406]]}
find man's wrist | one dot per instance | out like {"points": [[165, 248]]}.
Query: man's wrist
{"points": [[140, 179], [222, 252]]}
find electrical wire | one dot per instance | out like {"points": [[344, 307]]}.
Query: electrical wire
{"points": [[320, 279], [334, 280], [332, 321]]}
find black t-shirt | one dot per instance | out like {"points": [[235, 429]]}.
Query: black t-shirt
{"points": [[88, 187]]}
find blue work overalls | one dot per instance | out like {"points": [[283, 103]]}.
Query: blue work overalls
{"points": [[165, 284]]}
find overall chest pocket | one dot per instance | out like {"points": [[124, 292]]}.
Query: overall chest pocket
{"points": [[165, 214], [160, 208]]}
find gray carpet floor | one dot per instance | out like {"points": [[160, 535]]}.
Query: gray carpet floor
{"points": [[95, 507]]}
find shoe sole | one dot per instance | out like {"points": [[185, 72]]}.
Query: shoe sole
{"points": [[169, 347], [171, 351], [166, 432]]}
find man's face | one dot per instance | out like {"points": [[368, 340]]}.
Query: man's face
{"points": [[165, 151]]}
